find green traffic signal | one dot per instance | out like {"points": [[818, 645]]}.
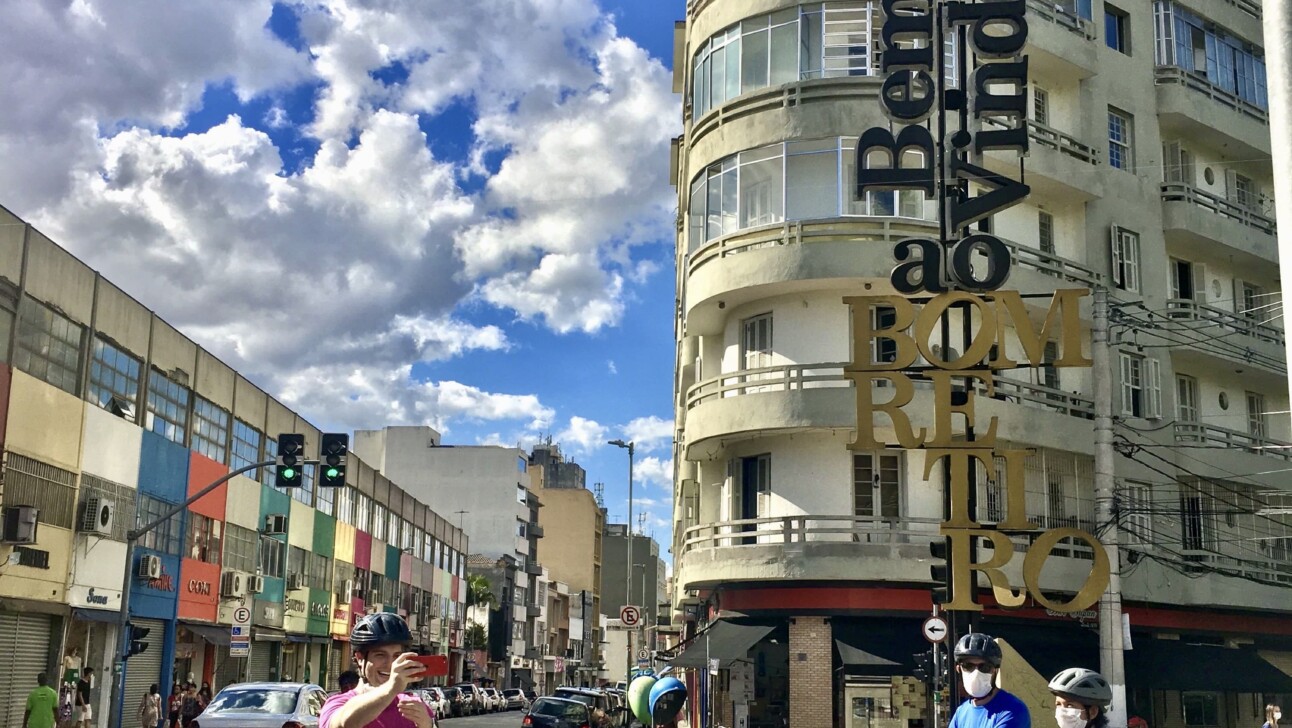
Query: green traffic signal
{"points": [[332, 472], [288, 473]]}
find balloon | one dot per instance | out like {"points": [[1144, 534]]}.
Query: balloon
{"points": [[639, 696], [666, 699]]}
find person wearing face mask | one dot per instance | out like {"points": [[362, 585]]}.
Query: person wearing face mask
{"points": [[1273, 714], [978, 659], [1081, 698]]}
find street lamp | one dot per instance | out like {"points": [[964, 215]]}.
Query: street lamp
{"points": [[628, 576], [460, 514]]}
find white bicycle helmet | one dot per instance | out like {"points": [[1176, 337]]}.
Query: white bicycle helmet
{"points": [[1083, 686]]}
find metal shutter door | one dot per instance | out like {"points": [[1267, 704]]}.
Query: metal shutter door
{"points": [[228, 669], [259, 662], [144, 669], [333, 667], [24, 653]]}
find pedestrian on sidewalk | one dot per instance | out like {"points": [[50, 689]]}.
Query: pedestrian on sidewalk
{"points": [[150, 708], [1273, 714], [1081, 698], [978, 659], [84, 714], [42, 705]]}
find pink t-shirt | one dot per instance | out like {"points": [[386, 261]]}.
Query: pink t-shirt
{"points": [[389, 718]]}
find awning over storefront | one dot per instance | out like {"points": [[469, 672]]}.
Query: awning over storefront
{"points": [[302, 638], [96, 615], [317, 640], [877, 647], [854, 657], [264, 634], [1178, 665], [724, 641], [211, 633]]}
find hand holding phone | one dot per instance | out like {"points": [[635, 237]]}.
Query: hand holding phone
{"points": [[436, 665]]}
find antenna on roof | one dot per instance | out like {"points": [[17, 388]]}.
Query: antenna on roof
{"points": [[599, 490]]}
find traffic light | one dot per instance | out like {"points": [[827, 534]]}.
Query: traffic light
{"points": [[332, 454], [939, 571], [136, 637], [291, 460], [924, 669]]}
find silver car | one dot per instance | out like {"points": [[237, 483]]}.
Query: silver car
{"points": [[264, 705]]}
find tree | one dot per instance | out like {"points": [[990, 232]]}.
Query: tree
{"points": [[475, 637], [479, 593]]}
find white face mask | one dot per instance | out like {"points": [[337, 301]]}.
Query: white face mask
{"points": [[1278, 715], [1069, 717], [977, 683]]}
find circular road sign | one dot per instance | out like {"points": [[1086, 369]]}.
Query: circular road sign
{"points": [[630, 616], [935, 629], [643, 654], [242, 615]]}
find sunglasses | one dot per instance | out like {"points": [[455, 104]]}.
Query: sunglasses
{"points": [[972, 666]]}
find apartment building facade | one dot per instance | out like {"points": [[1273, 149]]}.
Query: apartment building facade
{"points": [[1150, 175], [110, 417]]}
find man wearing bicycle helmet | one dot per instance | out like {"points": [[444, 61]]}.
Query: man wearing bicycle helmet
{"points": [[1081, 698], [978, 659], [386, 669]]}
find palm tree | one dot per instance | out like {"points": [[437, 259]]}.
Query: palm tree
{"points": [[479, 593]]}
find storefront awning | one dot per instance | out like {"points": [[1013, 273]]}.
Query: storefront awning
{"points": [[264, 634], [1178, 665], [96, 615], [318, 640], [211, 633], [724, 641], [302, 638], [855, 657]]}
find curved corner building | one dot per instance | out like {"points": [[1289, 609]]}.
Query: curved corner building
{"points": [[803, 566]]}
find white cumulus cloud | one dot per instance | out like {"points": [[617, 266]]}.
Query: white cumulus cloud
{"points": [[655, 471], [581, 435], [650, 433]]}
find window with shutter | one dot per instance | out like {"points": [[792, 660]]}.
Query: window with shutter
{"points": [[1124, 249], [1132, 369], [1153, 389]]}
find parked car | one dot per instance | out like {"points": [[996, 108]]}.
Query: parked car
{"points": [[264, 705], [496, 699], [472, 698], [516, 699], [557, 713], [435, 698], [457, 703], [530, 695], [604, 713]]}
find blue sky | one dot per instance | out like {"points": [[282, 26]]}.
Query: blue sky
{"points": [[431, 212]]}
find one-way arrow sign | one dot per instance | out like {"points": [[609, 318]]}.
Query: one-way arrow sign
{"points": [[935, 629]]}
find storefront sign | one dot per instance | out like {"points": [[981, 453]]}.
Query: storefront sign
{"points": [[199, 587], [93, 597], [964, 272], [162, 583], [320, 610], [294, 606], [97, 599]]}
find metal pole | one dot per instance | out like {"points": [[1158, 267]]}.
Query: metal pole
{"points": [[127, 581], [1111, 656], [1277, 22], [628, 588]]}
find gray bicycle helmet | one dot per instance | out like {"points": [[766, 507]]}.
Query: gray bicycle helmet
{"points": [[981, 646], [382, 628], [1083, 686]]}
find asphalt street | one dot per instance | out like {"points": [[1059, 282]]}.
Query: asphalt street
{"points": [[509, 719]]}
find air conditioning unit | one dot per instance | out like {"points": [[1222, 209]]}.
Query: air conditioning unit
{"points": [[99, 514], [295, 581], [276, 525], [255, 584], [349, 589], [20, 524], [150, 567], [233, 584]]}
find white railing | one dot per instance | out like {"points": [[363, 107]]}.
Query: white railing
{"points": [[1179, 192], [1251, 7], [884, 231], [1199, 432], [1058, 15], [1168, 75], [1243, 323], [1051, 138], [798, 377]]}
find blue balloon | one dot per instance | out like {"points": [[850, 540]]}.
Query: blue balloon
{"points": [[667, 697]]}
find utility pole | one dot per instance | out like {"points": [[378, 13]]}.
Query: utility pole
{"points": [[628, 577], [127, 581], [1277, 22], [1111, 655]]}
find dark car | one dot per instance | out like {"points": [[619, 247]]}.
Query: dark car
{"points": [[457, 707], [604, 713], [557, 713]]}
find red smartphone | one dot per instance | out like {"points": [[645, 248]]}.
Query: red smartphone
{"points": [[436, 665]]}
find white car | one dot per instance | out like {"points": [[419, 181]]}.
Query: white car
{"points": [[438, 701], [496, 703]]}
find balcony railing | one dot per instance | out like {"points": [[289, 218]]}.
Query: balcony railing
{"points": [[1188, 309], [1198, 432], [1168, 75], [798, 377], [1251, 7], [1062, 142], [1056, 14], [878, 230], [787, 96], [1178, 192]]}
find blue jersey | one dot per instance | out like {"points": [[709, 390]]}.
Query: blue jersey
{"points": [[1002, 711]]}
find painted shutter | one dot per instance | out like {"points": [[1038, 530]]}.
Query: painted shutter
{"points": [[24, 652], [260, 661], [333, 667], [1115, 254], [1152, 389], [1231, 186], [1127, 368], [145, 668], [1200, 282], [228, 670], [1172, 166]]}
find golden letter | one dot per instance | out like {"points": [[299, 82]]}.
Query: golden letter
{"points": [[864, 334], [903, 391], [978, 348], [1065, 313], [962, 566], [1096, 581], [943, 409], [961, 460]]}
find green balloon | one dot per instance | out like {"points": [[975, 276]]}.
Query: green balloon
{"points": [[639, 697]]}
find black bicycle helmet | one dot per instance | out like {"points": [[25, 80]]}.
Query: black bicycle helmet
{"points": [[1083, 686], [382, 628], [981, 646]]}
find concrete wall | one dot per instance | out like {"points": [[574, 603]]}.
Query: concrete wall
{"points": [[570, 536]]}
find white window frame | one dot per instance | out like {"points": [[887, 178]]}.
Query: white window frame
{"points": [[1121, 136], [879, 465], [756, 342], [1186, 398], [1258, 421], [1125, 251], [1141, 380], [1040, 105], [1136, 507]]}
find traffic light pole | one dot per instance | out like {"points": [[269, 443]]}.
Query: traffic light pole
{"points": [[132, 537]]}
